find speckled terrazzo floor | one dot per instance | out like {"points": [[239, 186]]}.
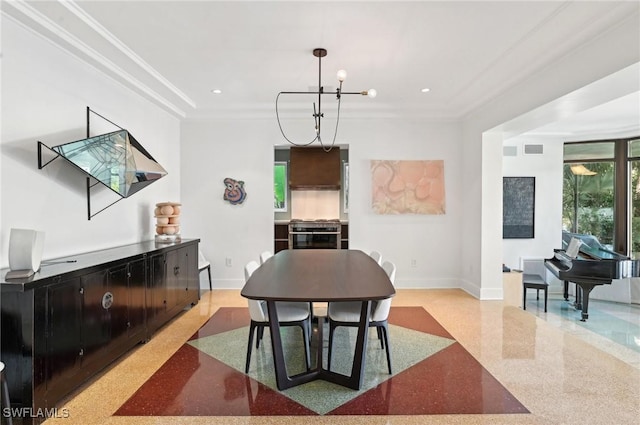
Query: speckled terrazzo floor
{"points": [[562, 372]]}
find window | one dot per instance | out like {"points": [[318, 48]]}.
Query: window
{"points": [[588, 200], [280, 186], [598, 192], [634, 198]]}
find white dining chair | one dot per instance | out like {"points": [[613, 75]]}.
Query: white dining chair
{"points": [[265, 256], [289, 314], [348, 314], [203, 264], [376, 256]]}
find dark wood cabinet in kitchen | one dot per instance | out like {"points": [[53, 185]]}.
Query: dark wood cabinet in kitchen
{"points": [[314, 169], [79, 314], [344, 236], [281, 237]]}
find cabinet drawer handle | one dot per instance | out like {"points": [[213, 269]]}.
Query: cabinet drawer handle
{"points": [[81, 353], [176, 270], [107, 300]]}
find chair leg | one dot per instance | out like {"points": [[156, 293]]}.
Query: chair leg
{"points": [[330, 351], [379, 331], [209, 271], [260, 335], [305, 338], [252, 328], [385, 332]]}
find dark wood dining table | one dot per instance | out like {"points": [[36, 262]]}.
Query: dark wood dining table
{"points": [[319, 275]]}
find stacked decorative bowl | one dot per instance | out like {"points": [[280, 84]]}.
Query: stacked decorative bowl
{"points": [[167, 216]]}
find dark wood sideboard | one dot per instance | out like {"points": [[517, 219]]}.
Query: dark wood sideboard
{"points": [[80, 313]]}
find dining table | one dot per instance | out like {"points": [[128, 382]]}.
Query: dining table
{"points": [[319, 275]]}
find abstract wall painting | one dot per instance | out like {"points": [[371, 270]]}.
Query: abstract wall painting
{"points": [[408, 187], [518, 207]]}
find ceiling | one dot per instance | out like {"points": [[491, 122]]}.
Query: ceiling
{"points": [[467, 53]]}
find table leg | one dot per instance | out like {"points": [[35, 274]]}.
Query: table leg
{"points": [[283, 380], [357, 370], [276, 346], [354, 381]]}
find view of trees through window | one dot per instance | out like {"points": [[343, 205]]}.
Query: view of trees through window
{"points": [[590, 200], [280, 186], [635, 207]]}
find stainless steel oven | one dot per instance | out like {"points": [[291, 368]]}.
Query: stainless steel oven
{"points": [[314, 234]]}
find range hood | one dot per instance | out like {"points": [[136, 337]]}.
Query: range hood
{"points": [[314, 169]]}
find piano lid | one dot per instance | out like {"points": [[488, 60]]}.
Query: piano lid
{"points": [[591, 247]]}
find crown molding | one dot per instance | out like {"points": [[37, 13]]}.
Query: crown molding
{"points": [[80, 47]]}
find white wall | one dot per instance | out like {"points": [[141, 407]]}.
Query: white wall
{"points": [[45, 92], [547, 169], [482, 208], [243, 149]]}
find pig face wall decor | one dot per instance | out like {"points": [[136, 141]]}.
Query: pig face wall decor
{"points": [[234, 191]]}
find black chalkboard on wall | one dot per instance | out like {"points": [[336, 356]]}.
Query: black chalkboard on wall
{"points": [[518, 207]]}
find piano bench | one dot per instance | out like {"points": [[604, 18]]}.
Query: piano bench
{"points": [[534, 281]]}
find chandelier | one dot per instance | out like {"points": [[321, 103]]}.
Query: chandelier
{"points": [[317, 112]]}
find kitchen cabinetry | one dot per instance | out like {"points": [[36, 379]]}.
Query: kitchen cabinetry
{"points": [[78, 314], [314, 169], [281, 241], [344, 236]]}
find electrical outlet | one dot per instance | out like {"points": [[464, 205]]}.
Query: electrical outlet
{"points": [[413, 262], [227, 262]]}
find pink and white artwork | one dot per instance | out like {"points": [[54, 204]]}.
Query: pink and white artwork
{"points": [[407, 187]]}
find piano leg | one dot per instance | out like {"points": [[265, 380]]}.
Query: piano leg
{"points": [[586, 290], [578, 304], [566, 290]]}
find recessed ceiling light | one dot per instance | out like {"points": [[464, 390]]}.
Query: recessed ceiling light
{"points": [[216, 91], [425, 90]]}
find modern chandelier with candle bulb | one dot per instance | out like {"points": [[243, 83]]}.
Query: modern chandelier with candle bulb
{"points": [[317, 112]]}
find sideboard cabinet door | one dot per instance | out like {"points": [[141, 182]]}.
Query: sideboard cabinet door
{"points": [[96, 320], [136, 299], [63, 337], [156, 296]]}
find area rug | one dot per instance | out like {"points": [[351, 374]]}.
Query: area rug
{"points": [[432, 374]]}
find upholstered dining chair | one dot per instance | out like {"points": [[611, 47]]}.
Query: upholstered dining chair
{"points": [[348, 314], [203, 264], [265, 256], [289, 314], [376, 256]]}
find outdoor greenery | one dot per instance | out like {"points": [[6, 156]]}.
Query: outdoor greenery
{"points": [[595, 203], [635, 209], [280, 186]]}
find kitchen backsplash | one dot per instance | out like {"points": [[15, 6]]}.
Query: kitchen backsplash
{"points": [[315, 204]]}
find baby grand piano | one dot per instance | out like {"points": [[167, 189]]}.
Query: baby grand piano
{"points": [[593, 265]]}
